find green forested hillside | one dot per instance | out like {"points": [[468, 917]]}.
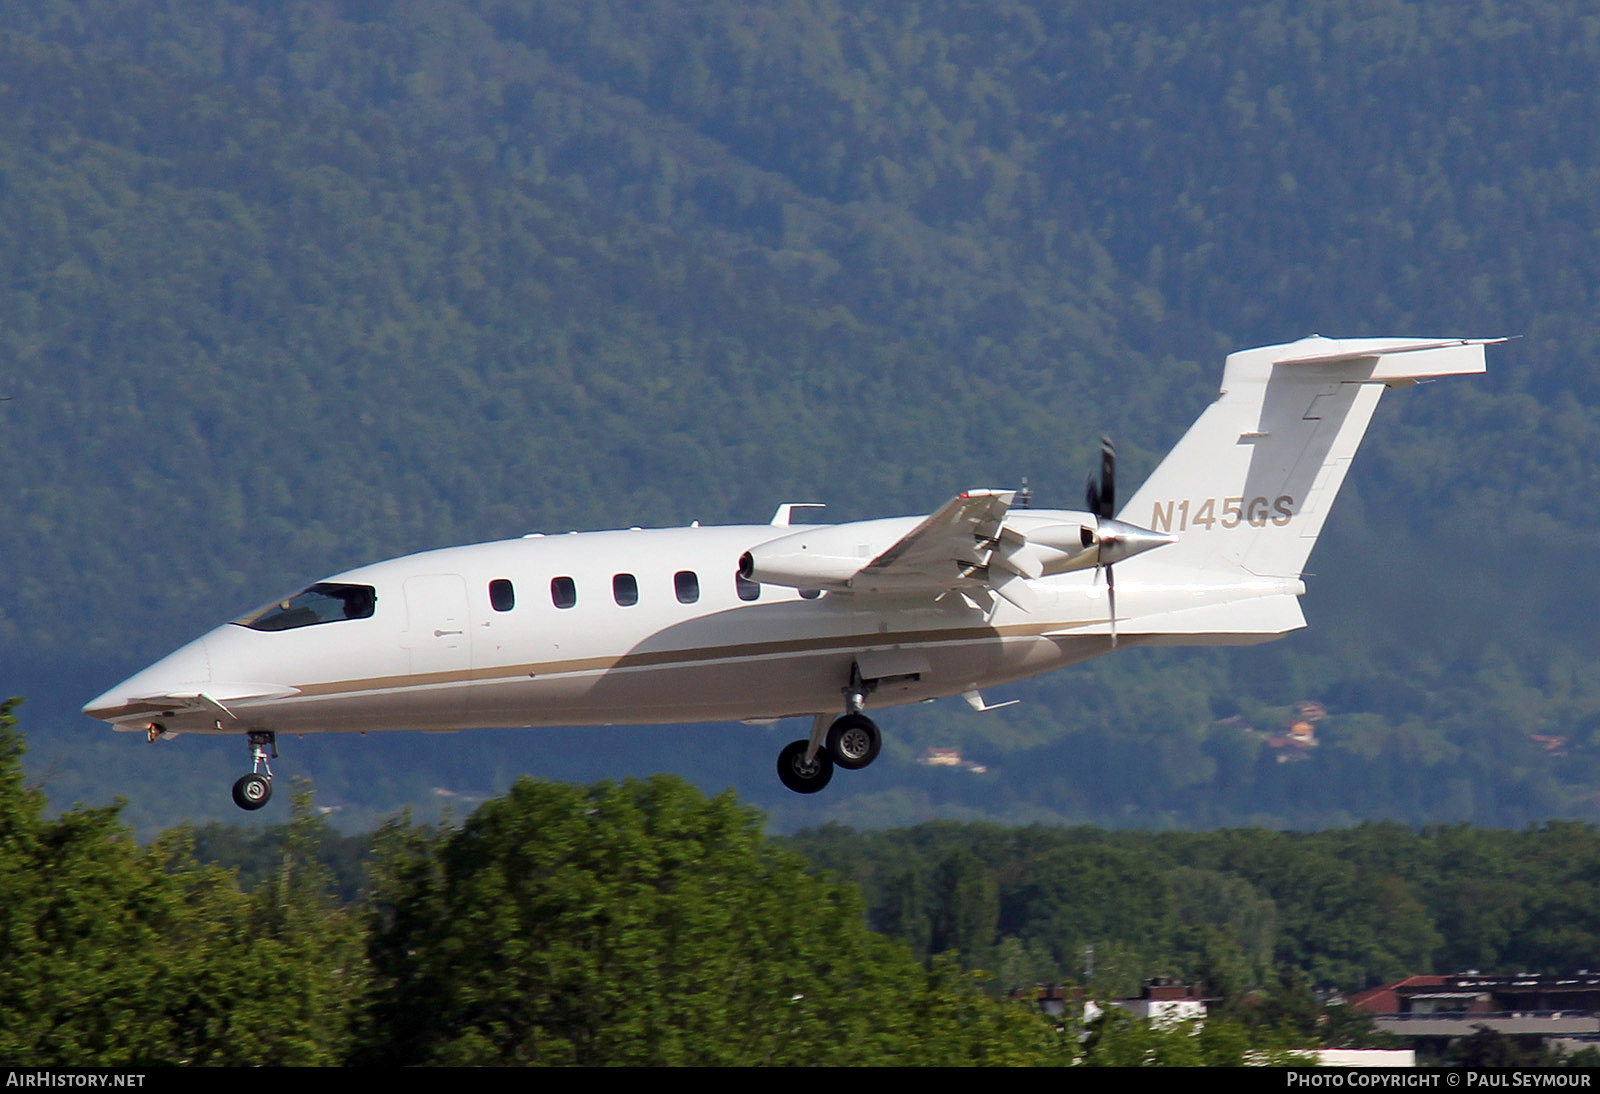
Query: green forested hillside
{"points": [[288, 287], [1235, 909]]}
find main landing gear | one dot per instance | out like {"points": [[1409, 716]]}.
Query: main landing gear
{"points": [[255, 789], [850, 741]]}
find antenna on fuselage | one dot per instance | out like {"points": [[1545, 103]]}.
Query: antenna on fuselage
{"points": [[1024, 498]]}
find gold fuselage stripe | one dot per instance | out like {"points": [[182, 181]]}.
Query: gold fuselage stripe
{"points": [[684, 657]]}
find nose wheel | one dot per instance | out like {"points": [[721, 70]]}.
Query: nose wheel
{"points": [[255, 789], [252, 792]]}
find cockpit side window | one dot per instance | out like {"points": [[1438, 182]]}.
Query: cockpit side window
{"points": [[324, 602]]}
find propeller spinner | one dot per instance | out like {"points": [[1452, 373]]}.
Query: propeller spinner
{"points": [[1116, 539]]}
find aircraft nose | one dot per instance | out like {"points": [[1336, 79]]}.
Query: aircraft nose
{"points": [[186, 670]]}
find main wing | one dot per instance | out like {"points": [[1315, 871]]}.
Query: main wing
{"points": [[974, 544], [966, 546], [950, 549]]}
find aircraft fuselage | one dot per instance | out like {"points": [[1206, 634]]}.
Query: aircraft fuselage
{"points": [[657, 629]]}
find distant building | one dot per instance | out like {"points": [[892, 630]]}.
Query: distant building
{"points": [[1554, 745], [1366, 1057], [1443, 1008], [1165, 1002], [1161, 1002], [1294, 738], [1298, 736], [949, 757], [1309, 710]]}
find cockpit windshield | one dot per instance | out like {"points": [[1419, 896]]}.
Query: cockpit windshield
{"points": [[324, 602]]}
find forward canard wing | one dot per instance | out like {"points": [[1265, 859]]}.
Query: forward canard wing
{"points": [[134, 711]]}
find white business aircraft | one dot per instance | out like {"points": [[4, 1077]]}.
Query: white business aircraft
{"points": [[763, 622]]}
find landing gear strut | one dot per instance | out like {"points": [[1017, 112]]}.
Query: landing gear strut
{"points": [[851, 741], [255, 789]]}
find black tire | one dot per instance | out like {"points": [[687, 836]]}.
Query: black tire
{"points": [[854, 741], [799, 776], [252, 792]]}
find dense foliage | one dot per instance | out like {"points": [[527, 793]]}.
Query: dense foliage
{"points": [[293, 286], [112, 953], [638, 923], [1345, 909], [644, 923]]}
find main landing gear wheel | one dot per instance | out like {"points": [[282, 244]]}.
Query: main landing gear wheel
{"points": [[800, 776], [854, 741], [255, 789], [252, 792]]}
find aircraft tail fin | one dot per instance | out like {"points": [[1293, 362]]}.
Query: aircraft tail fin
{"points": [[1249, 486]]}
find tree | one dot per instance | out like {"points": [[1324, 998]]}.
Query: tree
{"points": [[112, 954], [963, 908], [642, 923], [1093, 894], [1118, 1039], [1486, 1047]]}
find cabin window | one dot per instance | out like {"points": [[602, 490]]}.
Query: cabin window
{"points": [[748, 590], [625, 587], [563, 592], [687, 585], [502, 597], [324, 602], [810, 594]]}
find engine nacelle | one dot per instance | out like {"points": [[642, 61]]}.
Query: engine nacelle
{"points": [[799, 570], [1030, 545], [1055, 546], [1034, 548], [825, 556]]}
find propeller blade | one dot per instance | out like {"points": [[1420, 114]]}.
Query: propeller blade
{"points": [[1101, 500], [1108, 479], [1111, 601]]}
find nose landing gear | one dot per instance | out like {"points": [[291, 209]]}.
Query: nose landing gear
{"points": [[255, 789]]}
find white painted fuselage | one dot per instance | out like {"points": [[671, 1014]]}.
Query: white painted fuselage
{"points": [[436, 654]]}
